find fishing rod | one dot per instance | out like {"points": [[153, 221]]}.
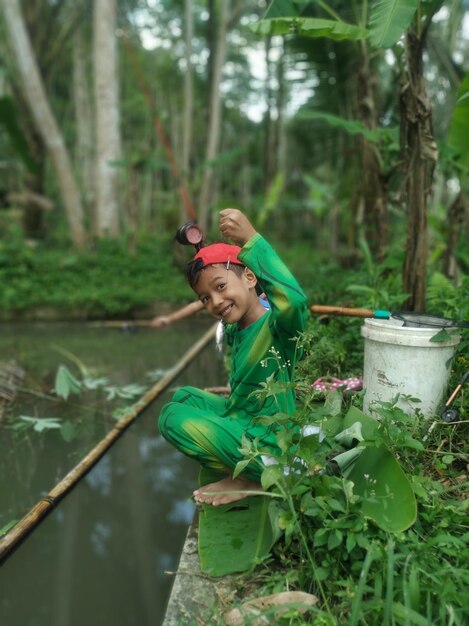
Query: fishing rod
{"points": [[411, 319], [45, 505]]}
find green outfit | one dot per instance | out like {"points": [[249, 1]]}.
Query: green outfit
{"points": [[209, 428]]}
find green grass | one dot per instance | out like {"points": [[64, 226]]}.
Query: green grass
{"points": [[104, 282]]}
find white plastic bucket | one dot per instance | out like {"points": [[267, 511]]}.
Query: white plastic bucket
{"points": [[402, 360]]}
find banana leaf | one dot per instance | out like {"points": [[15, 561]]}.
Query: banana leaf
{"points": [[235, 537], [388, 498], [389, 20], [310, 27]]}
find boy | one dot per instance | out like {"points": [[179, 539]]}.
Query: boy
{"points": [[210, 428]]}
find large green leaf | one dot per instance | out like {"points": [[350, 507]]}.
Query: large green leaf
{"points": [[388, 498], [310, 27], [235, 537], [458, 138], [369, 424], [389, 20]]}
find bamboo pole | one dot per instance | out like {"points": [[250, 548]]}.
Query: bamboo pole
{"points": [[48, 502], [341, 310], [121, 324]]}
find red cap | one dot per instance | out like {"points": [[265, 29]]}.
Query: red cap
{"points": [[219, 253]]}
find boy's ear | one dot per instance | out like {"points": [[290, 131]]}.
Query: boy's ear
{"points": [[250, 277]]}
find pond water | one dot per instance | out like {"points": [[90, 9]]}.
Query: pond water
{"points": [[102, 555]]}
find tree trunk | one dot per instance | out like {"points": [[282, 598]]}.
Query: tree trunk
{"points": [[188, 97], [83, 117], [269, 168], [44, 119], [280, 131], [420, 154], [213, 135], [108, 142], [373, 183]]}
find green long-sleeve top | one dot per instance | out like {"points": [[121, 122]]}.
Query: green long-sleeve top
{"points": [[267, 348]]}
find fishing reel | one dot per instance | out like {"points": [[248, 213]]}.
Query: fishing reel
{"points": [[189, 234], [450, 414]]}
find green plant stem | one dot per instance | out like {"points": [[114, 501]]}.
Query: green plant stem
{"points": [[360, 588], [389, 583], [405, 590], [308, 552]]}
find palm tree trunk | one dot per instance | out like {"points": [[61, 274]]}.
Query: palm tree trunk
{"points": [[108, 142], [44, 119], [83, 117]]}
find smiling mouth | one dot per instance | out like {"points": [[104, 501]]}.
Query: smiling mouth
{"points": [[226, 310]]}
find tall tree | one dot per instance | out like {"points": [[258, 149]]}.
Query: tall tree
{"points": [[389, 21], [372, 191], [84, 120], [188, 93], [213, 131], [106, 98], [420, 155], [45, 122]]}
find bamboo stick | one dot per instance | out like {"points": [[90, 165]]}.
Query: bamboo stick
{"points": [[340, 310], [47, 503], [121, 323]]}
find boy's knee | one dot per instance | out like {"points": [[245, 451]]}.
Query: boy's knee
{"points": [[171, 420], [183, 394]]}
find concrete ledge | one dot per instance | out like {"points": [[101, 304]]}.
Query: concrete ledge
{"points": [[193, 594]]}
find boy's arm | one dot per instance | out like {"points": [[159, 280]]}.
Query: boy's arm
{"points": [[235, 226], [186, 311], [287, 299]]}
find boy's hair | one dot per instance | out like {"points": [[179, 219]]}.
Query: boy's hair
{"points": [[215, 254], [196, 266]]}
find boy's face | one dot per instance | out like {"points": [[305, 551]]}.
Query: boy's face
{"points": [[227, 296]]}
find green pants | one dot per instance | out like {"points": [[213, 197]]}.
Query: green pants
{"points": [[196, 423]]}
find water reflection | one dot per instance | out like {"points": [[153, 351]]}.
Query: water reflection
{"points": [[100, 557]]}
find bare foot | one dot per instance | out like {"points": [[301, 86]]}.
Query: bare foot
{"points": [[225, 491]]}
